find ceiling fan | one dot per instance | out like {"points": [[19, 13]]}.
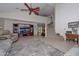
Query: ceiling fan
{"points": [[30, 9]]}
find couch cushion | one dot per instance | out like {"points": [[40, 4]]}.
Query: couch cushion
{"points": [[3, 38], [6, 32], [1, 31]]}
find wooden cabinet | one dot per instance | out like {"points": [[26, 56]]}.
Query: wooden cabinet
{"points": [[72, 37]]}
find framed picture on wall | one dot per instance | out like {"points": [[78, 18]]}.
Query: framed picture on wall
{"points": [[73, 24]]}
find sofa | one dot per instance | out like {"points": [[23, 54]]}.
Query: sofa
{"points": [[6, 40]]}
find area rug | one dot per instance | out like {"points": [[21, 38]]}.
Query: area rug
{"points": [[34, 48]]}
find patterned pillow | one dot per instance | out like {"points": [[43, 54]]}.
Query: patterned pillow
{"points": [[6, 32]]}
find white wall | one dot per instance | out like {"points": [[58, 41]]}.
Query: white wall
{"points": [[8, 25], [65, 13]]}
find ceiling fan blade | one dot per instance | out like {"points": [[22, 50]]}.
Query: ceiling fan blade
{"points": [[30, 9], [24, 9], [27, 6], [30, 12], [36, 13], [36, 8]]}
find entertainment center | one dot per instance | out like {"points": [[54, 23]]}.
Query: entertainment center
{"points": [[23, 29]]}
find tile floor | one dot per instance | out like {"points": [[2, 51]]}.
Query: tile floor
{"points": [[52, 40], [34, 46]]}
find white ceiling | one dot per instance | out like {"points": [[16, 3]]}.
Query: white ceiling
{"points": [[45, 8]]}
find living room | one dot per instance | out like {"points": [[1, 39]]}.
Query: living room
{"points": [[34, 34]]}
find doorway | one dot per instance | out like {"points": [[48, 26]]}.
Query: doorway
{"points": [[41, 30]]}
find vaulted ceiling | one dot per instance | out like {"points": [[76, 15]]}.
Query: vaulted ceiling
{"points": [[46, 9]]}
